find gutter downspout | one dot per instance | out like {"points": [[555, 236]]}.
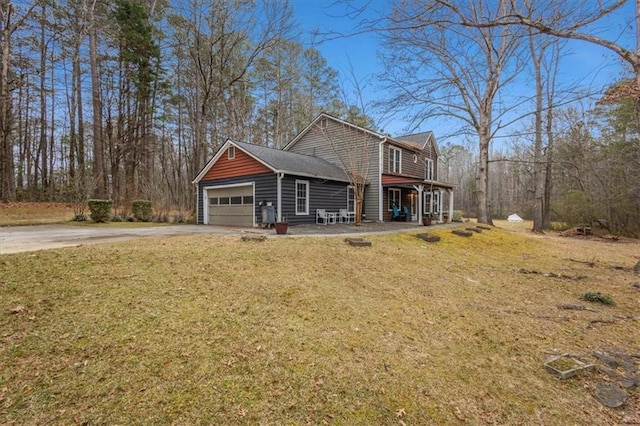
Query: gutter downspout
{"points": [[279, 176], [205, 205], [380, 189]]}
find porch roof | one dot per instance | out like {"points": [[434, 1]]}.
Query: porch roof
{"points": [[409, 182]]}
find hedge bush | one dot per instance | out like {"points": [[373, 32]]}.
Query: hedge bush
{"points": [[100, 210], [142, 210]]}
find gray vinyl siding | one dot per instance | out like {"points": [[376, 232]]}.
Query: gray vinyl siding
{"points": [[323, 194], [409, 168], [265, 190], [328, 195], [340, 142]]}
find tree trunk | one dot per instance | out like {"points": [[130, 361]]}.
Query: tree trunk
{"points": [[482, 179], [7, 184], [537, 145], [82, 187], [99, 178], [548, 181], [42, 148]]}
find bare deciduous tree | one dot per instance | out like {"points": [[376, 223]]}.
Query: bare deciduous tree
{"points": [[441, 61]]}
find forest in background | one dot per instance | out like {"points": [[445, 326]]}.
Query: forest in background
{"points": [[129, 99]]}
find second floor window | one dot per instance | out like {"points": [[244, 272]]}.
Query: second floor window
{"points": [[428, 169], [395, 160]]}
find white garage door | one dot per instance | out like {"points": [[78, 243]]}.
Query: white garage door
{"points": [[232, 206]]}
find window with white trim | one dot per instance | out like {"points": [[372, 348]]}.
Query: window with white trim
{"points": [[395, 160], [231, 152], [432, 202], [302, 197], [351, 199], [436, 202], [394, 198], [428, 169]]}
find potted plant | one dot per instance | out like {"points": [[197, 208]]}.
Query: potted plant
{"points": [[282, 226], [426, 220]]}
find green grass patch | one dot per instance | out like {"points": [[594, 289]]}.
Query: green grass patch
{"points": [[596, 297]]}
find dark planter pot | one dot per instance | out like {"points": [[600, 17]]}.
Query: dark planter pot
{"points": [[426, 221], [281, 227]]}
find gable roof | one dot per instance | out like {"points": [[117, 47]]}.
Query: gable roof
{"points": [[414, 142], [420, 140], [331, 117], [281, 162]]}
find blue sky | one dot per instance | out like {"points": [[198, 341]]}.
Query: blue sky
{"points": [[590, 65]]}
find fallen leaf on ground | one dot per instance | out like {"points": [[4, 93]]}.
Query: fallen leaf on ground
{"points": [[17, 309]]}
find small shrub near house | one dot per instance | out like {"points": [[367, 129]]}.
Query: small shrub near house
{"points": [[100, 210], [142, 210]]}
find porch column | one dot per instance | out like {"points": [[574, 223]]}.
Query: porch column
{"points": [[440, 205], [420, 189], [450, 204]]}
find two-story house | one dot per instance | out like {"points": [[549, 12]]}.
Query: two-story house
{"points": [[314, 172], [398, 170]]}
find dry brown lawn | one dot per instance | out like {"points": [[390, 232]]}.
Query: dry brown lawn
{"points": [[213, 330], [22, 213]]}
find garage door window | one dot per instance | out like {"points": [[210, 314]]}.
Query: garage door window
{"points": [[236, 200], [224, 201], [213, 201], [302, 197], [247, 199]]}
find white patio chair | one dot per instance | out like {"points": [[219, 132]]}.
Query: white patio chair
{"points": [[321, 215], [346, 216]]}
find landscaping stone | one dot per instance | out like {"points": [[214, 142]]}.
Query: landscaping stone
{"points": [[484, 227], [626, 361], [610, 394], [629, 377], [429, 238], [572, 307], [636, 268], [358, 242], [253, 237], [474, 229], [635, 285], [608, 371], [462, 233], [629, 382], [607, 359]]}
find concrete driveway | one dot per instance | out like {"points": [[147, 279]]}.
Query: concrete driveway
{"points": [[15, 239]]}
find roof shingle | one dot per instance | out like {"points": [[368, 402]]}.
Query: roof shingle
{"points": [[293, 163]]}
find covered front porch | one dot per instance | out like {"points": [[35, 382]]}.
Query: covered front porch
{"points": [[416, 199]]}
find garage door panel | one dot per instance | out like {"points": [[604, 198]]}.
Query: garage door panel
{"points": [[231, 206]]}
